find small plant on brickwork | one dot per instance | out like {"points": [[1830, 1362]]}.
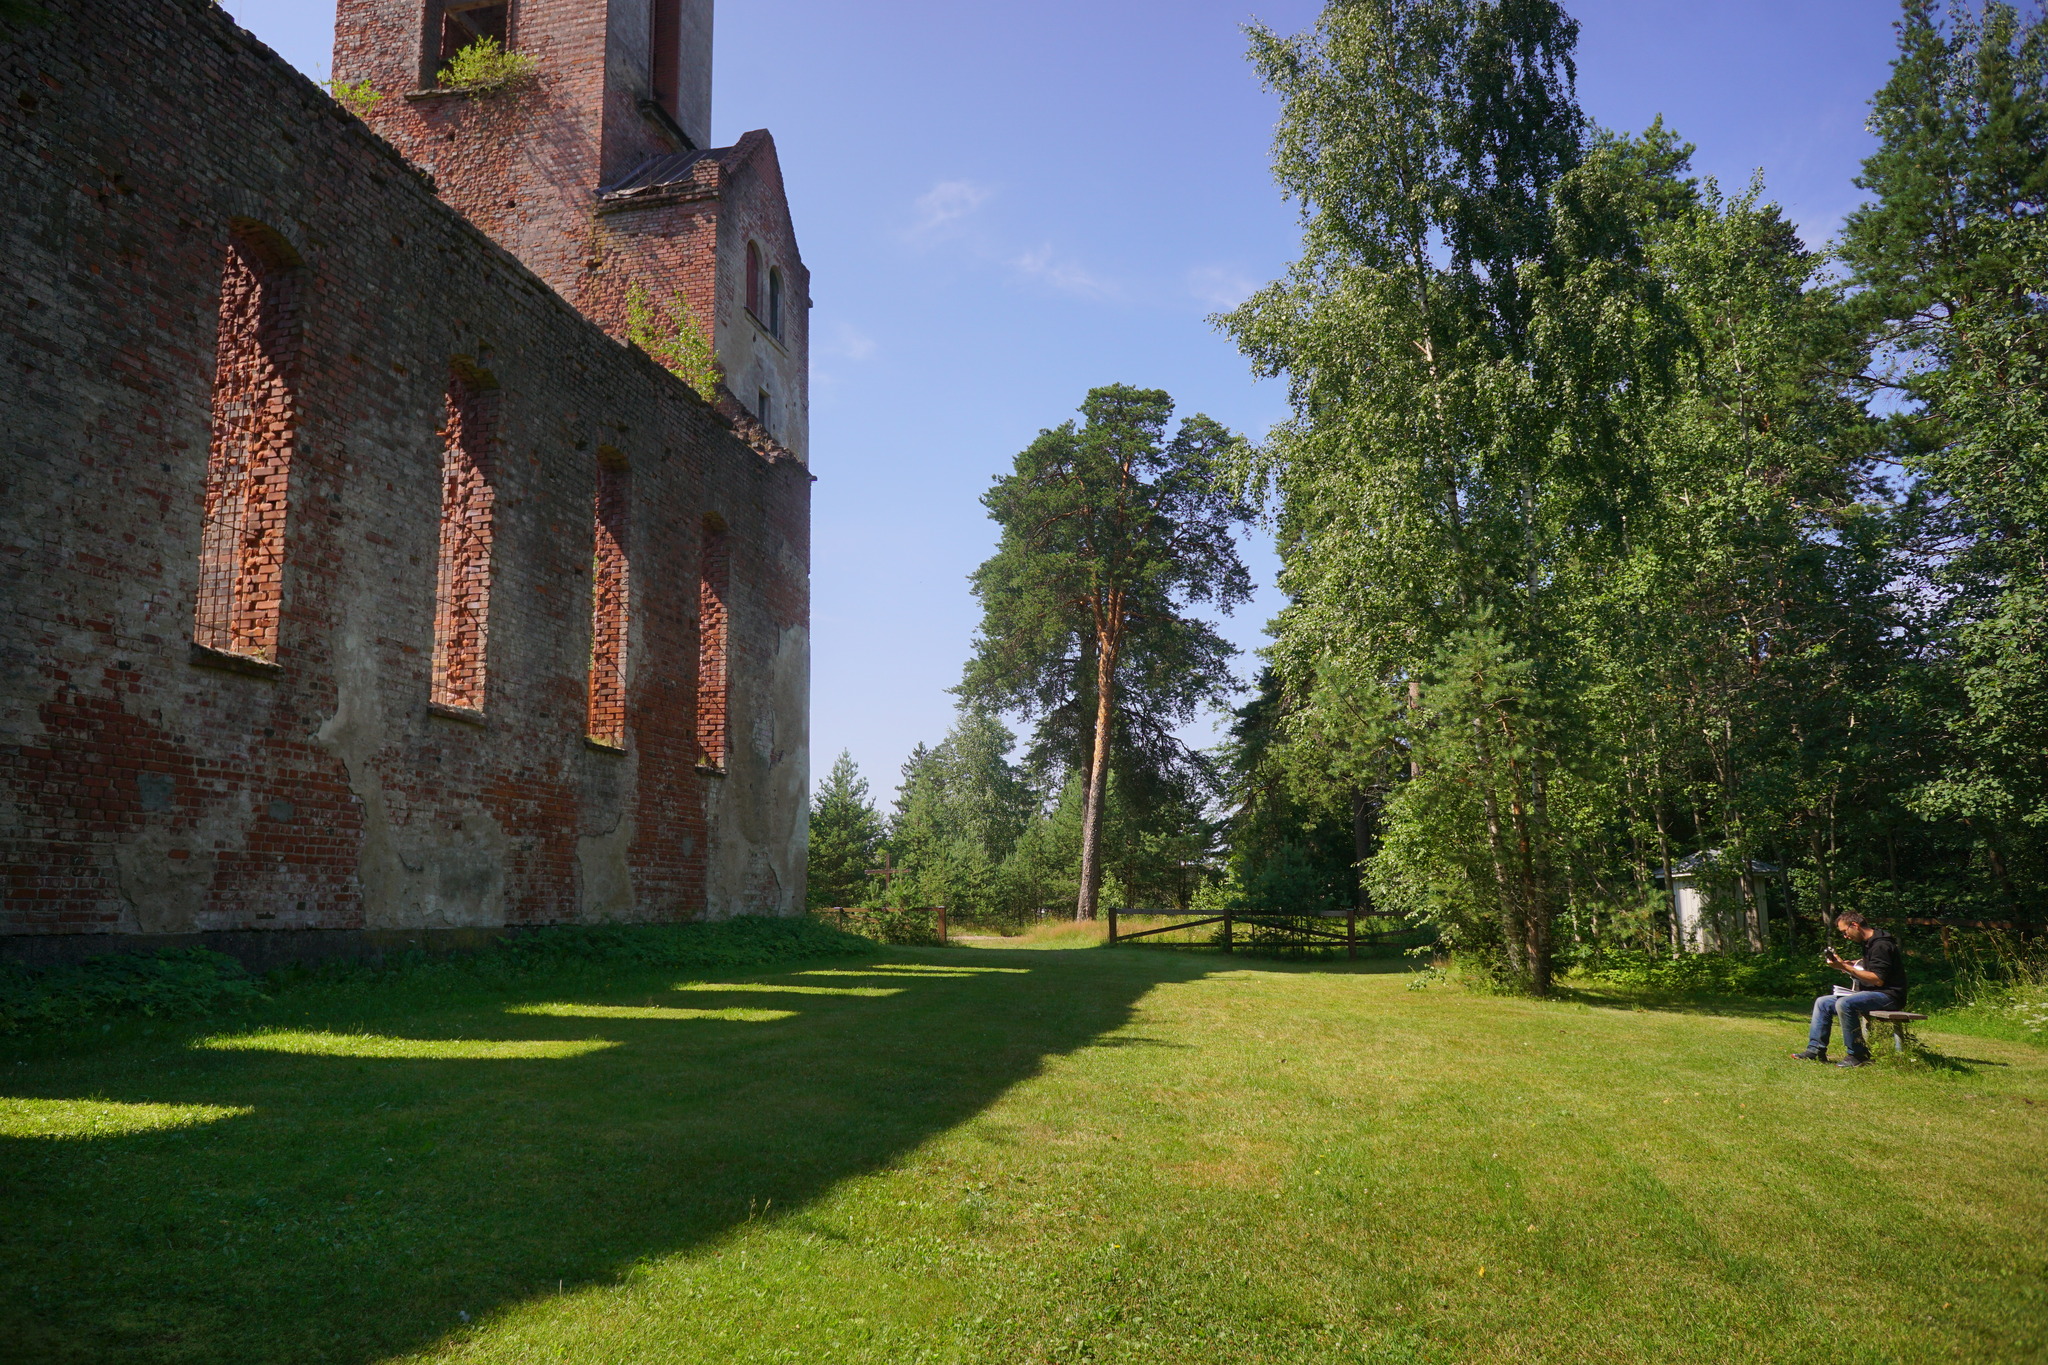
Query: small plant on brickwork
{"points": [[358, 97], [486, 67], [673, 339]]}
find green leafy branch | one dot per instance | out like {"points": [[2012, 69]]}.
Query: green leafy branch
{"points": [[358, 97], [486, 67], [672, 337]]}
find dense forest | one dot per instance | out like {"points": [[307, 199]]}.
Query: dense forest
{"points": [[1621, 531]]}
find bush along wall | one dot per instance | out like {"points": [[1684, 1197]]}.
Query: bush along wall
{"points": [[193, 982]]}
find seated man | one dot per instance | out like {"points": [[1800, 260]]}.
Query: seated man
{"points": [[1882, 975]]}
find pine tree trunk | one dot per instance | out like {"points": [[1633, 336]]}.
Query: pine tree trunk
{"points": [[1098, 782]]}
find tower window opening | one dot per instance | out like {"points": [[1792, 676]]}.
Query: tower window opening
{"points": [[249, 457], [665, 36], [714, 586], [775, 301], [610, 590], [762, 401], [463, 24], [753, 279], [462, 584]]}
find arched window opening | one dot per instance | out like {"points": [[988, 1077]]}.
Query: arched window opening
{"points": [[753, 279], [714, 585], [462, 582], [775, 301], [609, 597], [666, 37], [249, 458]]}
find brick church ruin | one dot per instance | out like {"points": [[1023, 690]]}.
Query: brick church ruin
{"points": [[360, 581]]}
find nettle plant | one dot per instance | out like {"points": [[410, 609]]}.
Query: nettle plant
{"points": [[487, 67], [672, 337], [358, 97]]}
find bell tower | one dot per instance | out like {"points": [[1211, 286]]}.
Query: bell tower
{"points": [[593, 166]]}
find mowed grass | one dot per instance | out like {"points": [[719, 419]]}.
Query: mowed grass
{"points": [[978, 1154]]}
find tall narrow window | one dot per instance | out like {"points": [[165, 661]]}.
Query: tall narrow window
{"points": [[714, 585], [763, 401], [462, 582], [666, 37], [753, 279], [609, 594], [249, 460], [775, 301]]}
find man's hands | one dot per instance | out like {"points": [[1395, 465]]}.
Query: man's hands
{"points": [[1854, 969]]}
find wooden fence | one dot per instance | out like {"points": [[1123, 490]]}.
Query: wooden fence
{"points": [[1292, 925]]}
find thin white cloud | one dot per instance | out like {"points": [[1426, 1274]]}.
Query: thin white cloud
{"points": [[850, 343], [1069, 277], [945, 204], [1220, 287]]}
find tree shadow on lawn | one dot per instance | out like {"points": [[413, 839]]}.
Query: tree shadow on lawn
{"points": [[361, 1202]]}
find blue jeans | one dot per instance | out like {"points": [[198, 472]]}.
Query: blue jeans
{"points": [[1850, 1009]]}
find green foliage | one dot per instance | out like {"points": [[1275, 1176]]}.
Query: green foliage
{"points": [[743, 941], [358, 97], [1773, 975], [1591, 556], [190, 982], [22, 13], [845, 839], [673, 338], [486, 67], [175, 984], [1949, 259], [901, 927], [1111, 531]]}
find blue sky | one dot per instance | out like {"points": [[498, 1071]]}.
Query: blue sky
{"points": [[1003, 205]]}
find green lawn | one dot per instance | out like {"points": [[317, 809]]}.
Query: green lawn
{"points": [[995, 1155]]}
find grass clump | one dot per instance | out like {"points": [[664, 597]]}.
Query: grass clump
{"points": [[486, 67]]}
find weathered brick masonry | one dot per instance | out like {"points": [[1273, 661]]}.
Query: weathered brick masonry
{"points": [[352, 577]]}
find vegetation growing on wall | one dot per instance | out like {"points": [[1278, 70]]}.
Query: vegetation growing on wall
{"points": [[671, 335], [487, 67]]}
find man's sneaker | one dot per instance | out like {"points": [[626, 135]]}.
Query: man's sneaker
{"points": [[1854, 1061], [1809, 1056]]}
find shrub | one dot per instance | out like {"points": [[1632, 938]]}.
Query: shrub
{"points": [[486, 67], [358, 97], [183, 982], [195, 981], [674, 340], [1776, 974]]}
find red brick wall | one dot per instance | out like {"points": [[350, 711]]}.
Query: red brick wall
{"points": [[249, 459], [714, 585], [145, 787], [609, 590], [462, 577]]}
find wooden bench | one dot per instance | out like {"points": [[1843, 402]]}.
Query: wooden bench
{"points": [[1898, 1019]]}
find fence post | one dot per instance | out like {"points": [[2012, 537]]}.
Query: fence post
{"points": [[942, 926], [1112, 928], [1226, 931], [1351, 933]]}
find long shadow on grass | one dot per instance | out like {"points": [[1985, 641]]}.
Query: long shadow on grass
{"points": [[364, 1203]]}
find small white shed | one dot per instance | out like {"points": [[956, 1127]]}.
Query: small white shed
{"points": [[1707, 910]]}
